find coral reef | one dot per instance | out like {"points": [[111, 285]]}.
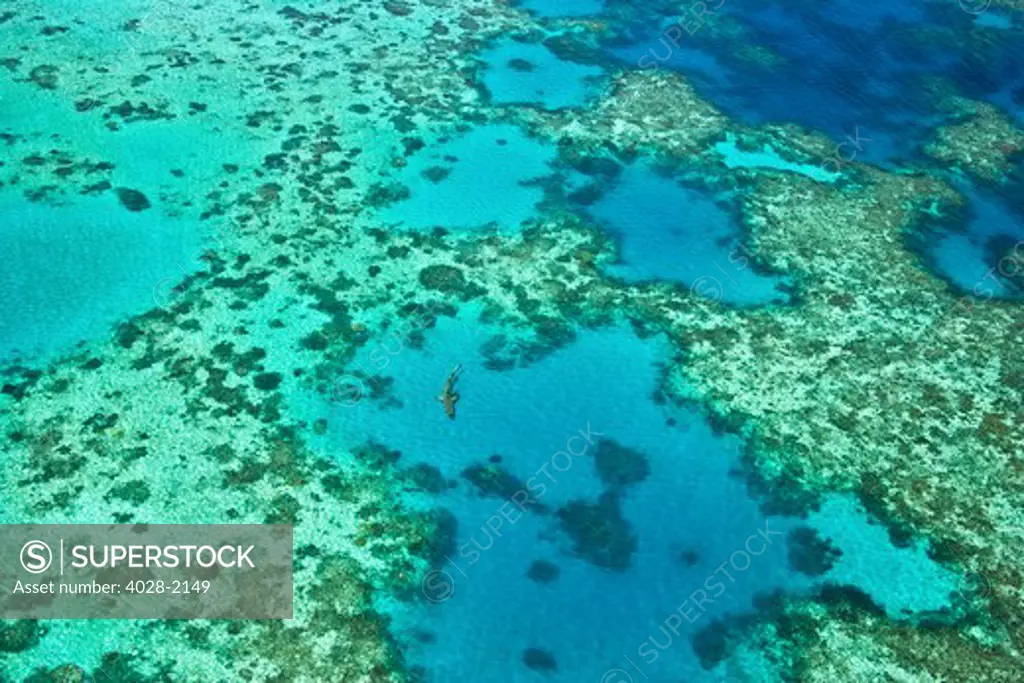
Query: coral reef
{"points": [[599, 533], [540, 660], [838, 639], [878, 378], [809, 553], [543, 572], [983, 142], [619, 466]]}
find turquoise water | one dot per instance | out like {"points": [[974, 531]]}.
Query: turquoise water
{"points": [[902, 582], [768, 158], [562, 8], [688, 515], [619, 538], [74, 271], [181, 157], [80, 262], [485, 176], [666, 231], [529, 73]]}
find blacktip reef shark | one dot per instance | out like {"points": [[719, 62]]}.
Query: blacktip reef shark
{"points": [[449, 397]]}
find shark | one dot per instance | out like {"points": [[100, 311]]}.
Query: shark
{"points": [[449, 397]]}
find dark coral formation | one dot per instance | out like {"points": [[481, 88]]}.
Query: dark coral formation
{"points": [[600, 534], [542, 571], [425, 477], [449, 280], [689, 558], [19, 634], [839, 634], [809, 553], [619, 466], [495, 481], [133, 200], [539, 660]]}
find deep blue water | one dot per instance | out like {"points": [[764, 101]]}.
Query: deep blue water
{"points": [[689, 515], [866, 74], [841, 66], [969, 258]]}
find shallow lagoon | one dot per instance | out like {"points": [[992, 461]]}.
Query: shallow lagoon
{"points": [[530, 73], [689, 515], [667, 231], [79, 263], [74, 271], [768, 158], [477, 178]]}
